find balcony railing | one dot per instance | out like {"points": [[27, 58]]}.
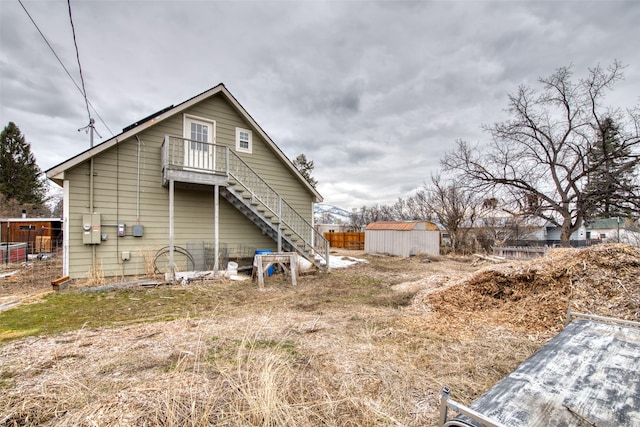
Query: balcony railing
{"points": [[186, 154]]}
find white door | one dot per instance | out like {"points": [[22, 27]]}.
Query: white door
{"points": [[199, 134]]}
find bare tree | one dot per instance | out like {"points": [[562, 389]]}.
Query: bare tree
{"points": [[358, 219], [539, 157], [453, 206]]}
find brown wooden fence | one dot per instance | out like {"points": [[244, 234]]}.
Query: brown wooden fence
{"points": [[346, 240]]}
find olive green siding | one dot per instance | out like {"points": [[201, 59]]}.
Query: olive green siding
{"points": [[128, 188]]}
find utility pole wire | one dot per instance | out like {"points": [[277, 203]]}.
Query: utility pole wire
{"points": [[63, 66], [75, 43]]}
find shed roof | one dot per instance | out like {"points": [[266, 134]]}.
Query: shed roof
{"points": [[30, 220], [401, 225]]}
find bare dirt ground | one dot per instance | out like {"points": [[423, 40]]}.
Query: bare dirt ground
{"points": [[28, 279], [286, 358]]}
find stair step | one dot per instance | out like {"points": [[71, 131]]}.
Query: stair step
{"points": [[269, 223]]}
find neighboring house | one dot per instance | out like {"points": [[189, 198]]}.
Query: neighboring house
{"points": [[332, 228], [202, 174], [402, 238], [614, 230], [27, 236], [549, 234]]}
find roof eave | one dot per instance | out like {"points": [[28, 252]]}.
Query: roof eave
{"points": [[317, 196], [57, 171]]}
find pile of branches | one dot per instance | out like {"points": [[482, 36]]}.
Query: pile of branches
{"points": [[535, 295]]}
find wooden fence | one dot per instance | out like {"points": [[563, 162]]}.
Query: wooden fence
{"points": [[346, 240]]}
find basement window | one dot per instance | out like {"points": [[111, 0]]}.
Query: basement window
{"points": [[243, 140]]}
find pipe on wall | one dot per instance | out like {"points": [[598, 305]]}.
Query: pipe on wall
{"points": [[138, 184]]}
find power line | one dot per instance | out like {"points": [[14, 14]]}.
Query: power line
{"points": [[75, 43], [65, 68]]}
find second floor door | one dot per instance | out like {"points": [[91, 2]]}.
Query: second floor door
{"points": [[199, 149]]}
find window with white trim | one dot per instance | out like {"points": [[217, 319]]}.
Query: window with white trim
{"points": [[243, 140]]}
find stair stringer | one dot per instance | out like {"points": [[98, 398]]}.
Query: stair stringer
{"points": [[268, 223]]}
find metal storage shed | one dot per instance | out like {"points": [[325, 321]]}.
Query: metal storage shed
{"points": [[402, 238]]}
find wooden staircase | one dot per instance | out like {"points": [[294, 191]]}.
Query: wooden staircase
{"points": [[268, 210], [245, 189]]}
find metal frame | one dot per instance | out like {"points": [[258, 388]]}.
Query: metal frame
{"points": [[602, 319], [446, 403], [476, 419]]}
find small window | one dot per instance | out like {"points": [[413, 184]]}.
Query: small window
{"points": [[243, 140]]}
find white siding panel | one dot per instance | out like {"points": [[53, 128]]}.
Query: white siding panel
{"points": [[401, 243]]}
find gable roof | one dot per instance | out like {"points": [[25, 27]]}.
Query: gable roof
{"points": [[56, 173], [607, 223]]}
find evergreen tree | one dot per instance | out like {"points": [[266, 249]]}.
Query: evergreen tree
{"points": [[20, 176], [611, 189], [305, 167]]}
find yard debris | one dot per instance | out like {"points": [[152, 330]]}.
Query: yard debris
{"points": [[491, 258], [120, 285], [535, 295], [9, 274], [323, 352]]}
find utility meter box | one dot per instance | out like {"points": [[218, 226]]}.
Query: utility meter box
{"points": [[138, 230], [122, 229], [91, 234]]}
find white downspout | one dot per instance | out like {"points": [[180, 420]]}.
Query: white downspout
{"points": [[65, 225], [138, 185]]}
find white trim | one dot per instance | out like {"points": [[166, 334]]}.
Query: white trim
{"points": [[240, 149], [186, 131], [195, 155], [65, 225]]}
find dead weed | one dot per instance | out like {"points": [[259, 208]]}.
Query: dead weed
{"points": [[369, 345]]}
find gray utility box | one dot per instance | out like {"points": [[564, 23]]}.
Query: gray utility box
{"points": [[91, 229], [137, 230]]}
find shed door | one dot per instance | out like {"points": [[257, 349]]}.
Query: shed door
{"points": [[198, 145]]}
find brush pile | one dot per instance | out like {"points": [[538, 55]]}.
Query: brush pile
{"points": [[534, 296]]}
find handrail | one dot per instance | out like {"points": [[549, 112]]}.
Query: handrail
{"points": [[260, 190], [187, 154]]}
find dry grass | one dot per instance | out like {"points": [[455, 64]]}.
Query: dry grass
{"points": [[24, 279], [369, 345]]}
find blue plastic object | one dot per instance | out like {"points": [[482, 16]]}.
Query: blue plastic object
{"points": [[266, 251]]}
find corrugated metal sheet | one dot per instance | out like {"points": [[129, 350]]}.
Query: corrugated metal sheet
{"points": [[402, 243], [589, 374], [402, 225]]}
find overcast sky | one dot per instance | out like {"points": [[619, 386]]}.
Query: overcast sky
{"points": [[374, 92]]}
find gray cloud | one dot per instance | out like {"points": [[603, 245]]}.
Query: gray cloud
{"points": [[373, 92]]}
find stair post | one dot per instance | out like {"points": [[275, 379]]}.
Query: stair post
{"points": [[279, 223]]}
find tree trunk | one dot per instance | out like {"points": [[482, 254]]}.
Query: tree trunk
{"points": [[565, 236]]}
